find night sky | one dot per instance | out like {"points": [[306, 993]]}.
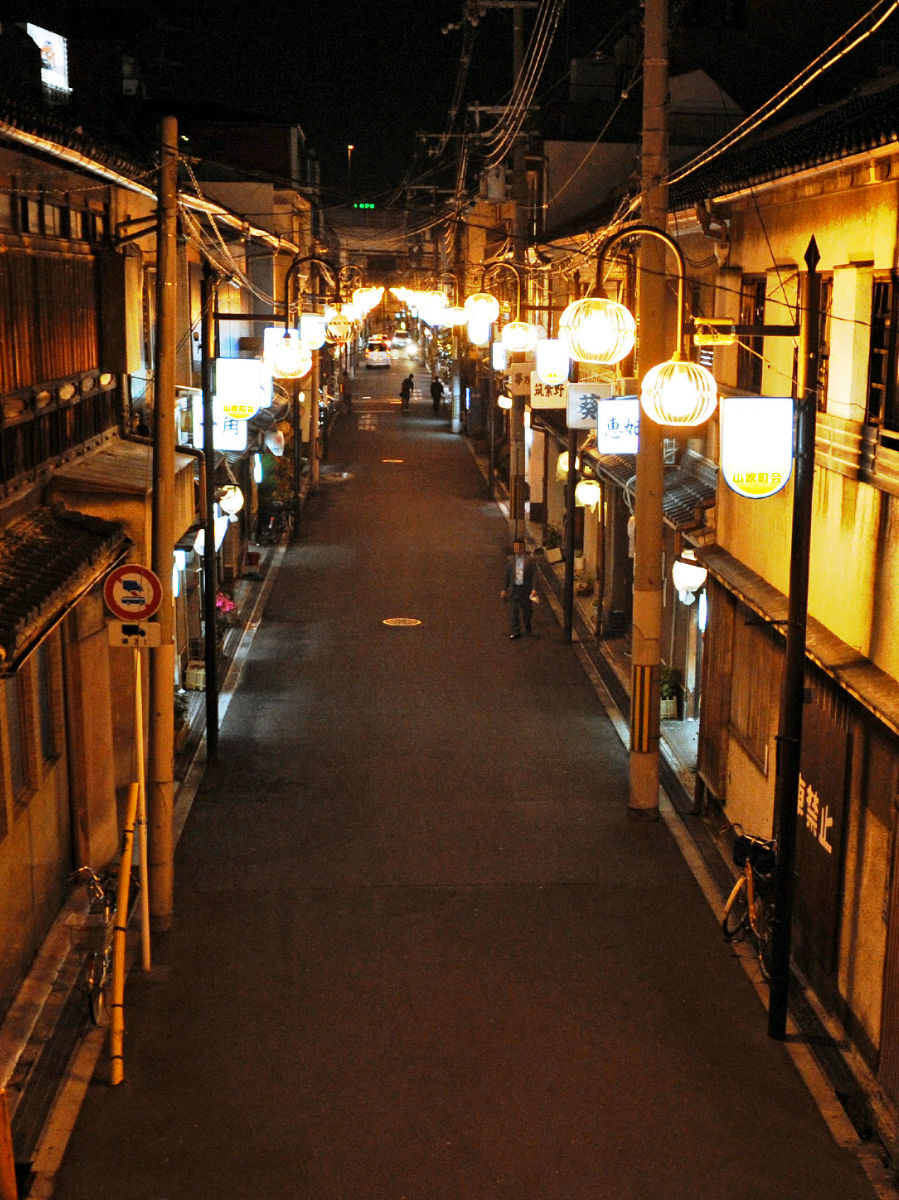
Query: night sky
{"points": [[375, 75]]}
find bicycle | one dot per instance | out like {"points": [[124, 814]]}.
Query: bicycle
{"points": [[102, 901], [750, 905]]}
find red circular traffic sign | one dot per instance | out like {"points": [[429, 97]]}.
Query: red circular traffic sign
{"points": [[132, 592]]}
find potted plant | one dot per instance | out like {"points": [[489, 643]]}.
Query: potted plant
{"points": [[670, 692]]}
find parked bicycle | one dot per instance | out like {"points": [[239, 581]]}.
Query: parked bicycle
{"points": [[101, 894], [750, 906]]}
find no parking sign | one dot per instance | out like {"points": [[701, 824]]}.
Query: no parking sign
{"points": [[132, 592]]}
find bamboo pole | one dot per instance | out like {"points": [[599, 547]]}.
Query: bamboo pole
{"points": [[8, 1187], [117, 1005]]}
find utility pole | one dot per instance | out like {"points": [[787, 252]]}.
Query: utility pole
{"points": [[789, 740], [209, 295], [646, 644], [160, 808]]}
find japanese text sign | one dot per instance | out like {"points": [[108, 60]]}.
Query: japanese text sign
{"points": [[583, 403], [756, 444], [618, 425], [548, 395]]}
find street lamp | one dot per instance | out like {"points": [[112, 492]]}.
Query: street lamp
{"points": [[681, 394]]}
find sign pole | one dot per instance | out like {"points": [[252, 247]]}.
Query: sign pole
{"points": [[146, 960], [789, 738]]}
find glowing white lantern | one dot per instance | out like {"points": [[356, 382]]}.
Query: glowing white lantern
{"points": [[313, 330], [482, 307], [679, 393], [518, 337], [339, 328], [553, 363], [230, 499], [478, 331], [756, 444], [285, 355], [598, 330], [587, 493], [504, 401], [455, 315]]}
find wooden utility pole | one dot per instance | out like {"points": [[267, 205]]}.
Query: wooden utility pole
{"points": [[647, 619], [162, 677], [209, 295]]}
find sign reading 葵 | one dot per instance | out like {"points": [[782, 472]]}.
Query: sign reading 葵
{"points": [[132, 592], [583, 402]]}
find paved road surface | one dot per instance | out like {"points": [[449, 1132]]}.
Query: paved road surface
{"points": [[421, 953]]}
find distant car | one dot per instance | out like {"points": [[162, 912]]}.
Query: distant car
{"points": [[377, 353], [399, 343]]}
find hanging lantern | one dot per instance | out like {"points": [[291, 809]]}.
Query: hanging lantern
{"points": [[230, 499], [562, 465], [339, 328], [687, 575], [587, 493], [518, 337], [478, 331], [679, 393], [553, 363], [598, 330], [482, 307], [455, 315], [285, 355], [504, 401], [312, 330]]}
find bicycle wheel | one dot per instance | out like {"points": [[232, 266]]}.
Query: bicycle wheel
{"points": [[95, 985], [736, 910], [763, 927]]}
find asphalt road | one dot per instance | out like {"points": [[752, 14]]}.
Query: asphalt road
{"points": [[421, 951]]}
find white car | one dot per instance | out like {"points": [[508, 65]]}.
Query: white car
{"points": [[377, 353]]}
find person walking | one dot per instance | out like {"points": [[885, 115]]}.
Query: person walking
{"points": [[436, 395], [406, 388], [519, 589]]}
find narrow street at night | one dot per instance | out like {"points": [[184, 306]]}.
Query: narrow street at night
{"points": [[420, 951]]}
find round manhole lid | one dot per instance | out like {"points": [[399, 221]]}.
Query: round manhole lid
{"points": [[401, 621]]}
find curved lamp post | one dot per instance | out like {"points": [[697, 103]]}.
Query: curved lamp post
{"points": [[675, 393], [519, 340]]}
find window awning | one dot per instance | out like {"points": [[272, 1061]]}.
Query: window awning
{"points": [[686, 496], [48, 561], [868, 684]]}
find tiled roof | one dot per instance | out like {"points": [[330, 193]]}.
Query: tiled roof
{"points": [[47, 561], [685, 497], [861, 123]]}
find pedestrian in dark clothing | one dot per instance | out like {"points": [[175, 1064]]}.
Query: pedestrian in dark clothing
{"points": [[519, 589], [406, 388], [436, 395]]}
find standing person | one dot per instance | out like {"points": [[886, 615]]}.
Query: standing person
{"points": [[406, 389], [346, 385], [519, 588], [436, 395]]}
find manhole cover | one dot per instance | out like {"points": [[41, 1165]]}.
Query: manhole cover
{"points": [[401, 621]]}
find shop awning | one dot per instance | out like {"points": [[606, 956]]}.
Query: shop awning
{"points": [[688, 492], [868, 684], [48, 561]]}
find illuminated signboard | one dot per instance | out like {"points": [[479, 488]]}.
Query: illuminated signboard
{"points": [[242, 386], [618, 425], [756, 444], [227, 432], [54, 58]]}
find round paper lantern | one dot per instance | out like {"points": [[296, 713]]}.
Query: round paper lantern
{"points": [[478, 331], [339, 328], [679, 393], [518, 337], [587, 493], [598, 330], [482, 307]]}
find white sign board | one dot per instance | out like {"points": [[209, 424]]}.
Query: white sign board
{"points": [[756, 444], [242, 386], [228, 433], [548, 395], [618, 425], [583, 401]]}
